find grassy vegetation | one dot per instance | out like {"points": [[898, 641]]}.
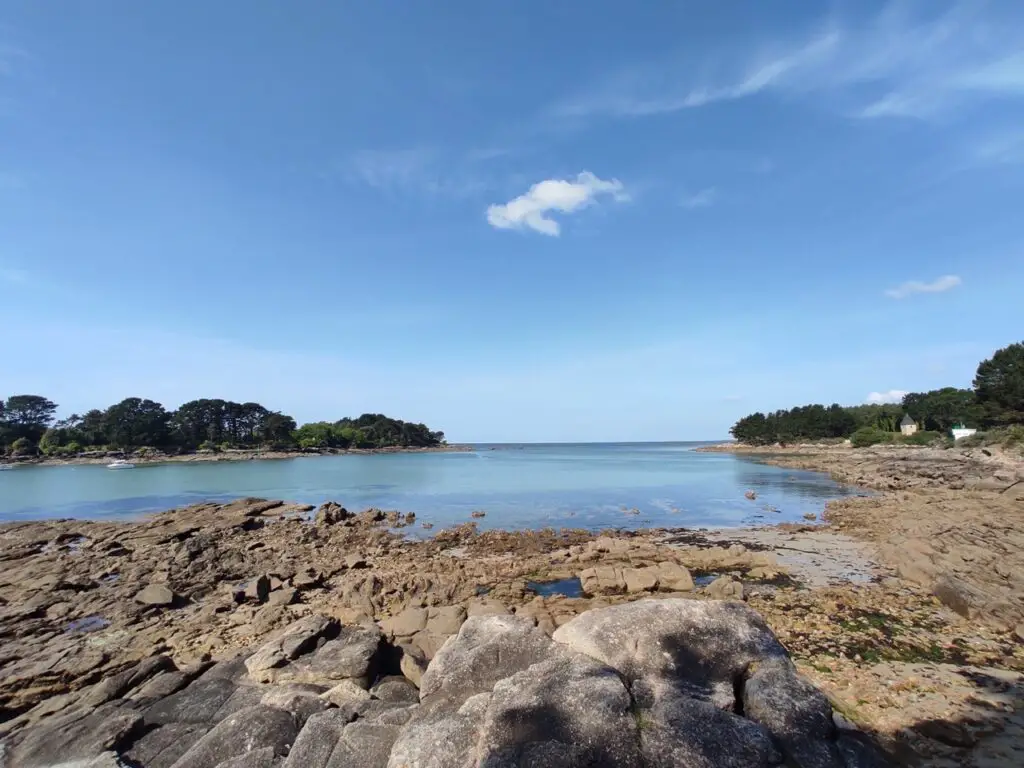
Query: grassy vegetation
{"points": [[1009, 438]]}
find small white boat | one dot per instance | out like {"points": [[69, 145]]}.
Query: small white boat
{"points": [[6, 466], [120, 464]]}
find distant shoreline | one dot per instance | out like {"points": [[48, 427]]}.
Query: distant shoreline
{"points": [[228, 455]]}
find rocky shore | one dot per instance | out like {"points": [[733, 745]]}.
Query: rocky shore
{"points": [[149, 456], [949, 520], [264, 633]]}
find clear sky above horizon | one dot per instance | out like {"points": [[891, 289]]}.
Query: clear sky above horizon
{"points": [[514, 222]]}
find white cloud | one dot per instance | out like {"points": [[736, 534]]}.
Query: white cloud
{"points": [[892, 396], [701, 199], [530, 210], [893, 65], [911, 287]]}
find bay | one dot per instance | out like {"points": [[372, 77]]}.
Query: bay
{"points": [[595, 486]]}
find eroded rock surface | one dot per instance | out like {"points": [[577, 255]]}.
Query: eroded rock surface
{"points": [[256, 578], [651, 683]]}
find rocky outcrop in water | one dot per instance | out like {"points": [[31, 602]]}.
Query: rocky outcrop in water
{"points": [[652, 683]]}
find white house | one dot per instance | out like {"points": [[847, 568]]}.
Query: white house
{"points": [[908, 426], [960, 431]]}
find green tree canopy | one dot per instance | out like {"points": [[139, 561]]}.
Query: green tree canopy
{"points": [[277, 430], [999, 385], [941, 409], [808, 422], [135, 422], [25, 416]]}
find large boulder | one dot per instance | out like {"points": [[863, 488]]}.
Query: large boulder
{"points": [[698, 646], [297, 638], [330, 513], [714, 738], [678, 654], [352, 655], [567, 711], [602, 580], [441, 737], [486, 649], [798, 715]]}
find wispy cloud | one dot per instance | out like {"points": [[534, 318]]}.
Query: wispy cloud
{"points": [[1000, 149], [387, 169], [483, 154], [891, 396], [418, 170], [912, 287], [530, 211], [894, 65], [701, 199]]}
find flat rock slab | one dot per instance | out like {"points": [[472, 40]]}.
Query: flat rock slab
{"points": [[162, 746], [156, 594], [82, 734], [247, 730], [199, 703]]}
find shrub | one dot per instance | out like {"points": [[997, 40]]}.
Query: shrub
{"points": [[1014, 435], [50, 442], [208, 445], [23, 447], [923, 437], [1007, 437], [976, 440], [866, 436]]}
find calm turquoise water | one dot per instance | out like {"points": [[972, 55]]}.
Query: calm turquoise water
{"points": [[588, 486]]}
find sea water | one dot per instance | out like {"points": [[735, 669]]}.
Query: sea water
{"points": [[594, 486]]}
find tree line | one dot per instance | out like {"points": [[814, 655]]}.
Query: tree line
{"points": [[996, 400], [28, 426]]}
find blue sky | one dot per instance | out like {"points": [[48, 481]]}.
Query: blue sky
{"points": [[518, 221]]}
